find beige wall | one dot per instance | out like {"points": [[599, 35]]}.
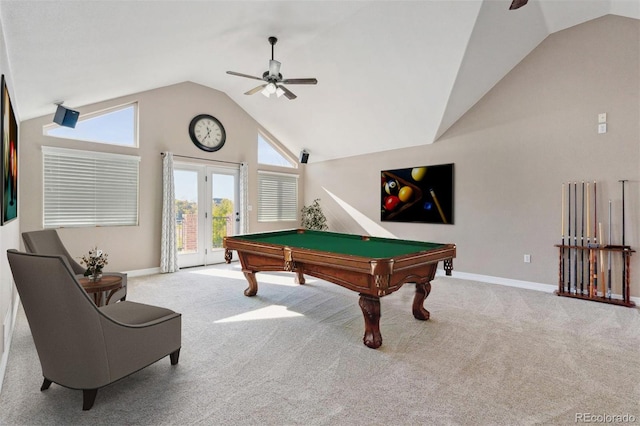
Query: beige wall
{"points": [[534, 130], [164, 116], [9, 235]]}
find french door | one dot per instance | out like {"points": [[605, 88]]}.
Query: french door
{"points": [[206, 211]]}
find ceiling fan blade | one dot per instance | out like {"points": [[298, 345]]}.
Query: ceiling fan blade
{"points": [[255, 89], [288, 93], [243, 75], [516, 4], [300, 81], [274, 68]]}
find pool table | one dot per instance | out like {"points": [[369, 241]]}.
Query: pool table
{"points": [[371, 266]]}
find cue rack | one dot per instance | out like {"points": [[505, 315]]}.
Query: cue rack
{"points": [[588, 268]]}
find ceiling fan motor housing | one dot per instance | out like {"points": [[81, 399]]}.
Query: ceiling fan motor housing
{"points": [[271, 78]]}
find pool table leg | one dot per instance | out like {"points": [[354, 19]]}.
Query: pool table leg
{"points": [[252, 290], [299, 277], [422, 291], [448, 266], [370, 306]]}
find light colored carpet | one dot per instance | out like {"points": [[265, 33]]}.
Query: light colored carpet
{"points": [[488, 355]]}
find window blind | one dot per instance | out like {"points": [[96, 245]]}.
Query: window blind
{"points": [[87, 188], [277, 196]]}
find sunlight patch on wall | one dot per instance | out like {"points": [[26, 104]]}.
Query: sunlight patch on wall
{"points": [[369, 225], [270, 312]]}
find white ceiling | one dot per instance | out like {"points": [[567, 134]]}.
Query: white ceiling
{"points": [[390, 73]]}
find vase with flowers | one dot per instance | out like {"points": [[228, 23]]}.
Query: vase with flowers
{"points": [[95, 261]]}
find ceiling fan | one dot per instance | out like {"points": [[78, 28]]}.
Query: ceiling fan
{"points": [[273, 79]]}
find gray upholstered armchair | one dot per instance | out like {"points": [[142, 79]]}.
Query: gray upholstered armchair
{"points": [[79, 345], [47, 241]]}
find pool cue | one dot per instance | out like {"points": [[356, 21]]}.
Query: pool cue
{"points": [[582, 243], [442, 216], [604, 291], [575, 235], [624, 263], [561, 288], [609, 257], [569, 237], [590, 252], [595, 213], [595, 243]]}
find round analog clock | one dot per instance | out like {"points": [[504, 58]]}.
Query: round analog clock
{"points": [[207, 133]]}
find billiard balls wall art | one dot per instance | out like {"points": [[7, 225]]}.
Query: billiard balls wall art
{"points": [[417, 194]]}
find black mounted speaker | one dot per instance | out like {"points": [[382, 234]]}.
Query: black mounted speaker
{"points": [[66, 117], [304, 156]]}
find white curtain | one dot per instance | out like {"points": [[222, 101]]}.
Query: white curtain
{"points": [[244, 198], [168, 250]]}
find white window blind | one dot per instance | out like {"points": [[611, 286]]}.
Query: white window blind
{"points": [[277, 196], [86, 188]]}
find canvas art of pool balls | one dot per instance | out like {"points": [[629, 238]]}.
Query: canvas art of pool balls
{"points": [[417, 194]]}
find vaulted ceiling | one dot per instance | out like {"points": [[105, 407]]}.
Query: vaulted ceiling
{"points": [[391, 74]]}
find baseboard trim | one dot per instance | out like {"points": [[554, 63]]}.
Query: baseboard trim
{"points": [[529, 285], [142, 272], [5, 354]]}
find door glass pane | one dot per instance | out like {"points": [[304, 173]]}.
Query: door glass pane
{"points": [[222, 207], [186, 187]]}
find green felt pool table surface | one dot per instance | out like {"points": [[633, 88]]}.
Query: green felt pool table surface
{"points": [[353, 245]]}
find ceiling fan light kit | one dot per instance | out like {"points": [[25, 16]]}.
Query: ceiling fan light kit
{"points": [[270, 89], [273, 79]]}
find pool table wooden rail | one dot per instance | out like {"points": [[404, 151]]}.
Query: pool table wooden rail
{"points": [[377, 277]]}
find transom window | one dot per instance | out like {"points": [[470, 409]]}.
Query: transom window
{"points": [[270, 155], [114, 126]]}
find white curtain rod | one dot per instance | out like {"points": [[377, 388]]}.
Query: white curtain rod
{"points": [[204, 159]]}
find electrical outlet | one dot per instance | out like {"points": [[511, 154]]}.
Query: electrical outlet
{"points": [[602, 128], [602, 117], [527, 258]]}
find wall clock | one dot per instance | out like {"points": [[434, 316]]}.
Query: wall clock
{"points": [[207, 133]]}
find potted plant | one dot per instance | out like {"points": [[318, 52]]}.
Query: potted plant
{"points": [[313, 218]]}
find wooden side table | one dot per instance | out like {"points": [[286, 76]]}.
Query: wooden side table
{"points": [[108, 283]]}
